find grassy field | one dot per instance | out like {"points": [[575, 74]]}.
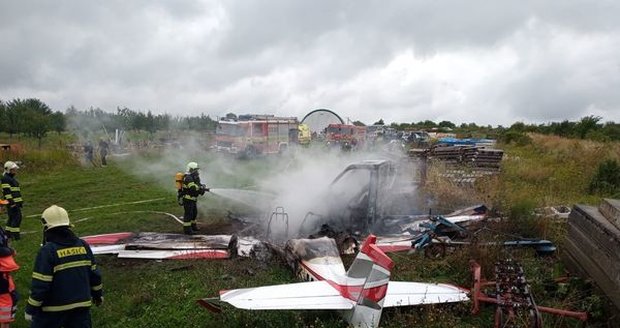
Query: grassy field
{"points": [[163, 294]]}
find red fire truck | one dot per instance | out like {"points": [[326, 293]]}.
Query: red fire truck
{"points": [[256, 134], [345, 134]]}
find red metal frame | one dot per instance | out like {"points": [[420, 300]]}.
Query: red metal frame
{"points": [[478, 296]]}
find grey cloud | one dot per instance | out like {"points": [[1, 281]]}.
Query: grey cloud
{"points": [[288, 57]]}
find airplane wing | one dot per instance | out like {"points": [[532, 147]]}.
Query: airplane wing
{"points": [[314, 295], [401, 293], [160, 246]]}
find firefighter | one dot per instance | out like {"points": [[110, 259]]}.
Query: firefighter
{"points": [[65, 279], [12, 193], [192, 188], [8, 294], [103, 152]]}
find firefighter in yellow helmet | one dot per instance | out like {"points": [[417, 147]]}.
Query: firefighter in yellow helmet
{"points": [[192, 188], [12, 193], [65, 278]]}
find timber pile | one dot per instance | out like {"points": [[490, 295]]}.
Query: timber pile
{"points": [[465, 164], [593, 245], [490, 158], [472, 156]]}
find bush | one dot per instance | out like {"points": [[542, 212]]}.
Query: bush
{"points": [[517, 137], [606, 180]]}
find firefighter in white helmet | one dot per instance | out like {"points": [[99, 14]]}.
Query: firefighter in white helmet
{"points": [[65, 278], [12, 193], [192, 188]]}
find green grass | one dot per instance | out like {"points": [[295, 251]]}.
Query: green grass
{"points": [[162, 294], [145, 293]]}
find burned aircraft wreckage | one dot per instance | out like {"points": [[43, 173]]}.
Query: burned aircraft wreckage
{"points": [[367, 197], [379, 208]]}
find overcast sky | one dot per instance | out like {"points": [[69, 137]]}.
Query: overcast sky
{"points": [[489, 62]]}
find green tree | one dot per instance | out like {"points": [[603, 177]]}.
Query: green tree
{"points": [[38, 125], [587, 124], [14, 117], [429, 124], [379, 122], [149, 123], [57, 122], [518, 126], [447, 124], [35, 117], [563, 129]]}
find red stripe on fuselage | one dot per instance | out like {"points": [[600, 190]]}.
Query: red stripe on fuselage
{"points": [[394, 248], [351, 292], [107, 239], [203, 254], [375, 294], [376, 255]]}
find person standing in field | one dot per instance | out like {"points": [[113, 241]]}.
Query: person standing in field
{"points": [[12, 193], [65, 280], [8, 294], [192, 188], [88, 152], [103, 152]]}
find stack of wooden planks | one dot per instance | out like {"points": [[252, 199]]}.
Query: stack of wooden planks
{"points": [[593, 245]]}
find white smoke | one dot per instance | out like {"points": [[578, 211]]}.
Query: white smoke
{"points": [[303, 187], [298, 181]]}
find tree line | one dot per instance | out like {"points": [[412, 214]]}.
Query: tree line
{"points": [[34, 118], [126, 119], [588, 127]]}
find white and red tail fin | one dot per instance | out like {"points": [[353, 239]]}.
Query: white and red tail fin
{"points": [[373, 267]]}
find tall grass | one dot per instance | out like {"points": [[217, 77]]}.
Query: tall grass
{"points": [[553, 170], [53, 154]]}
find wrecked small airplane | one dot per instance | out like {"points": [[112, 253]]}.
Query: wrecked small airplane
{"points": [[360, 293]]}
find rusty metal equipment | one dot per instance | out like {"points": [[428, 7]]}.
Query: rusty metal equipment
{"points": [[512, 296]]}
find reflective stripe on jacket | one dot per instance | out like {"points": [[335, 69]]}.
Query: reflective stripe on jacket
{"points": [[11, 190], [8, 306], [65, 277], [191, 187]]}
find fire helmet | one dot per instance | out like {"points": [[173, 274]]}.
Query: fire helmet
{"points": [[55, 216], [9, 165], [192, 166]]}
